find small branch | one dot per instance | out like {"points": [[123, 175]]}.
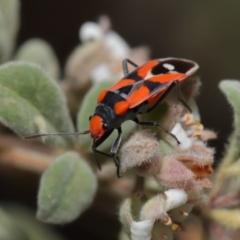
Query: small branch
{"points": [[226, 201], [30, 156], [138, 187], [218, 232], [26, 159]]}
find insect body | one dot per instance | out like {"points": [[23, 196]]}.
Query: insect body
{"points": [[138, 92]]}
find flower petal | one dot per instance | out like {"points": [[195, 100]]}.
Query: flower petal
{"points": [[142, 230]]}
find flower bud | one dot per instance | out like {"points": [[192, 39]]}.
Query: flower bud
{"points": [[141, 152]]}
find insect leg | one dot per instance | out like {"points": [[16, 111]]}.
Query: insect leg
{"points": [[181, 99], [176, 83], [155, 124], [125, 65], [95, 151], [114, 150], [98, 142]]}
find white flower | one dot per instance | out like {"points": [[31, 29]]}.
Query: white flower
{"points": [[175, 198], [101, 72], [90, 31], [181, 135], [142, 230], [116, 45]]}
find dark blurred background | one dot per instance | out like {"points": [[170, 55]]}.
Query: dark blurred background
{"points": [[207, 31]]}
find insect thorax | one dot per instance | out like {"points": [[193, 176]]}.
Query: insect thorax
{"points": [[105, 112]]}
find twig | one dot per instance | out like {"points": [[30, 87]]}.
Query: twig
{"points": [[226, 201], [25, 155]]}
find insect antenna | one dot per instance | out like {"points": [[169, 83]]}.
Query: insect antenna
{"points": [[56, 134]]}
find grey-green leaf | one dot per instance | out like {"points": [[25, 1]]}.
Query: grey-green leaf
{"points": [[40, 52], [231, 89], [9, 24], [26, 220], [67, 188], [32, 102], [9, 229], [87, 109]]}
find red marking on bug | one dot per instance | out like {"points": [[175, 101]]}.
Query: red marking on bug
{"points": [[138, 95], [154, 99], [96, 128], [101, 96], [168, 78], [143, 71], [122, 83], [121, 107]]}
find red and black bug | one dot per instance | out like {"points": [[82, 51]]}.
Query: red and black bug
{"points": [[138, 92]]}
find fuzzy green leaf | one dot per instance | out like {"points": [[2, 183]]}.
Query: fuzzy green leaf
{"points": [[26, 220], [40, 52], [9, 229], [9, 24], [87, 109], [231, 89], [32, 103], [10, 10], [67, 188]]}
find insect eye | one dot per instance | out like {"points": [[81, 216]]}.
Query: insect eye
{"points": [[105, 125], [90, 118]]}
